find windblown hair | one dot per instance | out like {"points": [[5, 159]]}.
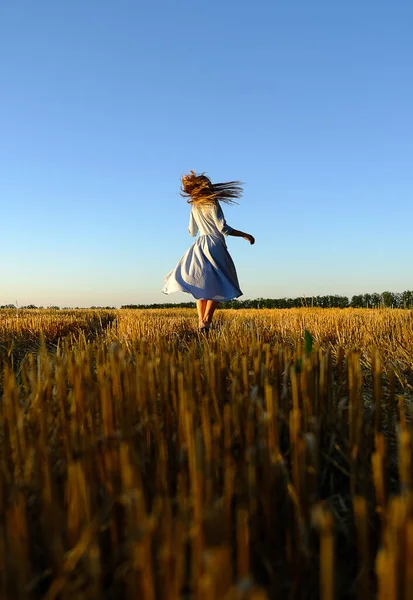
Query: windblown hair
{"points": [[199, 189]]}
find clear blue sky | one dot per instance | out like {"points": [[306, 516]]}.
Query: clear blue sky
{"points": [[105, 103]]}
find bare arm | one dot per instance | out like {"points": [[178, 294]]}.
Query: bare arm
{"points": [[242, 234], [224, 228]]}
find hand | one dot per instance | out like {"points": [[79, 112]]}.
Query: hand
{"points": [[249, 239]]}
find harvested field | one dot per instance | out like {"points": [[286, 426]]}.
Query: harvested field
{"points": [[269, 459]]}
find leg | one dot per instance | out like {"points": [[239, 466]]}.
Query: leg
{"points": [[209, 311], [200, 307]]}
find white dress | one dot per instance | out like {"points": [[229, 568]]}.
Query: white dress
{"points": [[206, 270]]}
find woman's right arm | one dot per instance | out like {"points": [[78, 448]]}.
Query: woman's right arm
{"points": [[224, 228], [246, 236]]}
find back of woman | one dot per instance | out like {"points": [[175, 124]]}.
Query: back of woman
{"points": [[207, 270], [208, 220]]}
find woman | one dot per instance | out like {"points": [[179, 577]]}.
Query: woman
{"points": [[206, 270]]}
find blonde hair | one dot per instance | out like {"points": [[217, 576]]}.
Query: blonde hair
{"points": [[199, 189]]}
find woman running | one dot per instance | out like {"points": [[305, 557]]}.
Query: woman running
{"points": [[207, 270]]}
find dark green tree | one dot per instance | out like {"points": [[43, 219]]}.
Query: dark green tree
{"points": [[388, 299], [357, 301]]}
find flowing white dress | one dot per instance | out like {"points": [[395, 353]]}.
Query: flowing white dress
{"points": [[206, 270]]}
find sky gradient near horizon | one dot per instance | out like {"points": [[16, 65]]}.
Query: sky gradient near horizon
{"points": [[105, 104]]}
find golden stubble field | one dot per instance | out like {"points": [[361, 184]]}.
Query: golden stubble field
{"points": [[141, 460]]}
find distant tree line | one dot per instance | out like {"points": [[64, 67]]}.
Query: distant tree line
{"points": [[33, 306], [383, 300]]}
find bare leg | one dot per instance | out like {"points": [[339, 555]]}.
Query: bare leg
{"points": [[209, 311], [200, 307]]}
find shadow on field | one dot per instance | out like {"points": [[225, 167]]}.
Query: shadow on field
{"points": [[21, 340]]}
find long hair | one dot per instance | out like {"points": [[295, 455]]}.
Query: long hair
{"points": [[198, 189]]}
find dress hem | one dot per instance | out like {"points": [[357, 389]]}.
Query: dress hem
{"points": [[214, 299]]}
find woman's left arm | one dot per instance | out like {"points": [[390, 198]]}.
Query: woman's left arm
{"points": [[193, 226]]}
